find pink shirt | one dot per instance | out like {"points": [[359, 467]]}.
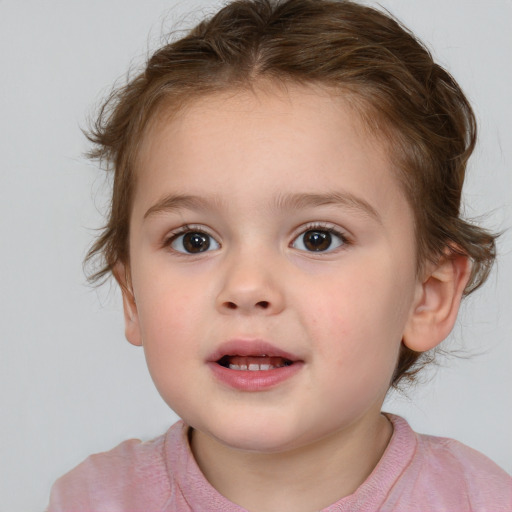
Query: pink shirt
{"points": [[417, 473]]}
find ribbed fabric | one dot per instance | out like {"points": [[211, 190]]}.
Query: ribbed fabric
{"points": [[417, 473]]}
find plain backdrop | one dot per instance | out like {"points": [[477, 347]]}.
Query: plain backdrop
{"points": [[69, 383]]}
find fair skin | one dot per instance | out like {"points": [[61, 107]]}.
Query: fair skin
{"points": [[272, 219]]}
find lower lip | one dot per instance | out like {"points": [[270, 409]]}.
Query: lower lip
{"points": [[257, 380]]}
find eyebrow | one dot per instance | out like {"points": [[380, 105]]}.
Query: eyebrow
{"points": [[176, 202], [282, 202], [339, 199]]}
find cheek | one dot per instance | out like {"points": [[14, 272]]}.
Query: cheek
{"points": [[359, 316], [166, 297], [169, 340], [168, 317]]}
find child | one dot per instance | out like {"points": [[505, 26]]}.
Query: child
{"points": [[285, 230]]}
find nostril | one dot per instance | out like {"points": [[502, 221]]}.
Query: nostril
{"points": [[262, 304]]}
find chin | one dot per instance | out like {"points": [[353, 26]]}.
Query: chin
{"points": [[257, 436], [263, 443]]}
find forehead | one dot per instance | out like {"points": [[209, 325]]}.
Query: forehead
{"points": [[295, 137], [260, 107]]}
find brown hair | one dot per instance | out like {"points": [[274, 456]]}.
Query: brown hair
{"points": [[401, 93]]}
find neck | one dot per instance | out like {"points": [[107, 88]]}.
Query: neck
{"points": [[306, 478]]}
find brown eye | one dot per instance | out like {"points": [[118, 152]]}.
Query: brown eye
{"points": [[194, 242], [318, 240]]}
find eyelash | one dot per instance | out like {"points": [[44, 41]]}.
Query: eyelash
{"points": [[323, 228], [188, 229], [200, 230]]}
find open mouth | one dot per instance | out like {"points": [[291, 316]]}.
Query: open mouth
{"points": [[253, 363]]}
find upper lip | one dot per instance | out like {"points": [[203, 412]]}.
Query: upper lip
{"points": [[250, 347]]}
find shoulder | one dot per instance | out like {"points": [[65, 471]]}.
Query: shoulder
{"points": [[131, 473], [454, 458], [452, 476]]}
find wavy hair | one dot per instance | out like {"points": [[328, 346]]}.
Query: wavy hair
{"points": [[356, 51]]}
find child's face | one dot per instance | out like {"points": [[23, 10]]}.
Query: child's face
{"points": [[270, 224]]}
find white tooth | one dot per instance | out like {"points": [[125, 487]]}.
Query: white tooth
{"points": [[265, 366], [243, 367], [254, 367], [234, 367]]}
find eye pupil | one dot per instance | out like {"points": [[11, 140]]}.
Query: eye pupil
{"points": [[317, 240], [196, 242]]}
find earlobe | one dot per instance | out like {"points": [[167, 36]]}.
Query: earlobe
{"points": [[131, 316], [437, 303]]}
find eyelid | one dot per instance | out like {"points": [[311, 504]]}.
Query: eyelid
{"points": [[189, 228], [334, 229]]}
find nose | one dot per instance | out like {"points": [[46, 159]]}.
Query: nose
{"points": [[250, 286]]}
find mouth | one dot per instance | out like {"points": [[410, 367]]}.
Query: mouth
{"points": [[254, 363]]}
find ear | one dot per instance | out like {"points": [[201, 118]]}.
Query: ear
{"points": [[131, 316], [437, 302]]}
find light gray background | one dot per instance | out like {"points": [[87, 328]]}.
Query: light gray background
{"points": [[69, 383]]}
